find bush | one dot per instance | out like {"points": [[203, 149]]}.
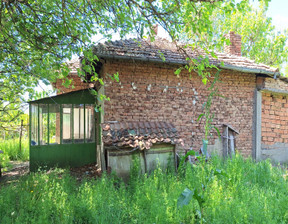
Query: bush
{"points": [[233, 191]]}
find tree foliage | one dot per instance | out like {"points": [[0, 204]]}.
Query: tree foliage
{"points": [[260, 41], [37, 37]]}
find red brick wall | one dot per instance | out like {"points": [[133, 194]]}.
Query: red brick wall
{"points": [[76, 84], [274, 123], [132, 101]]}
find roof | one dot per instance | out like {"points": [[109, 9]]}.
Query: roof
{"points": [[144, 50], [140, 135], [82, 96]]}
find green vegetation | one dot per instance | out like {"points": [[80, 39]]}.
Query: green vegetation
{"points": [[37, 37], [260, 39], [231, 191], [12, 150]]}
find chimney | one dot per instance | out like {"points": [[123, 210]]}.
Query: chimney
{"points": [[235, 47], [155, 29]]}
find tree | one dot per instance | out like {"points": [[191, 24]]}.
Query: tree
{"points": [[260, 41], [37, 37]]}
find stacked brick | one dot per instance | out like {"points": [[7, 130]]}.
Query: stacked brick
{"points": [[274, 118], [274, 115]]}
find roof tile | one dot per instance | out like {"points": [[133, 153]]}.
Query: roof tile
{"points": [[173, 53], [139, 134]]}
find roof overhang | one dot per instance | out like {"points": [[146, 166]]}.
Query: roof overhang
{"points": [[180, 62], [82, 96]]}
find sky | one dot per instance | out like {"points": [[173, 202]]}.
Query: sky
{"points": [[277, 10]]}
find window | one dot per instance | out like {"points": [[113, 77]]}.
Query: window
{"points": [[43, 122], [34, 124], [67, 123], [229, 143], [76, 121], [54, 124], [89, 121], [79, 120]]}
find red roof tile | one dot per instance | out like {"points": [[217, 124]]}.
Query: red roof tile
{"points": [[139, 134], [174, 53]]}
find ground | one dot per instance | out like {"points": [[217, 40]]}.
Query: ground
{"points": [[16, 170], [19, 169]]}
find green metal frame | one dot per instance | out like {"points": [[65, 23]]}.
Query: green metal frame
{"points": [[63, 155]]}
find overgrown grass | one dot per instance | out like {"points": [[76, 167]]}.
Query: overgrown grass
{"points": [[231, 191], [11, 148]]}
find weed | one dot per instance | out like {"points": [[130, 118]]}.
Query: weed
{"points": [[236, 190], [11, 148]]}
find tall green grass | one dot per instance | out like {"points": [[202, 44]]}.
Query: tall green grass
{"points": [[232, 191], [11, 148]]}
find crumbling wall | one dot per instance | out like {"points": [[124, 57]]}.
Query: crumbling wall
{"points": [[274, 127], [274, 118], [151, 91], [268, 83]]}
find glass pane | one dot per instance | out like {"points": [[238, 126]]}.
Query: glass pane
{"points": [[67, 123], [90, 133], [54, 123], [79, 123], [43, 118], [34, 124]]}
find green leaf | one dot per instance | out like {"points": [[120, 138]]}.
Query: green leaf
{"points": [[161, 55], [199, 117], [185, 198], [177, 72], [101, 82], [213, 55], [204, 80], [116, 76], [219, 172], [218, 132], [199, 197], [191, 153]]}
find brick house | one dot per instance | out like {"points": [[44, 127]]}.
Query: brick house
{"points": [[254, 97]]}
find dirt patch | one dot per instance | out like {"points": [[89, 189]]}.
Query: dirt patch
{"points": [[90, 171], [20, 169], [17, 170]]}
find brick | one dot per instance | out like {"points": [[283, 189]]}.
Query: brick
{"points": [[180, 108]]}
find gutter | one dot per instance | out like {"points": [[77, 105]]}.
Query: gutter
{"points": [[251, 70], [139, 58], [180, 62]]}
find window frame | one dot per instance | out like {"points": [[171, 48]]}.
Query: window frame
{"points": [[92, 139]]}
